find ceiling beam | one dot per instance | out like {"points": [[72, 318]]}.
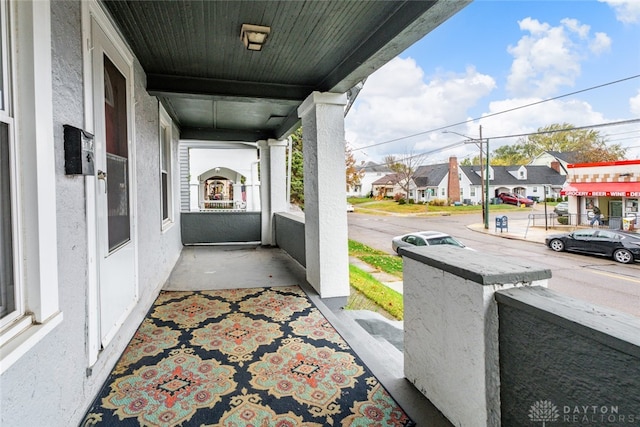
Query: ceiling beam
{"points": [[165, 85], [212, 134]]}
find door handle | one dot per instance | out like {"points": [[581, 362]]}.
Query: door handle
{"points": [[103, 176]]}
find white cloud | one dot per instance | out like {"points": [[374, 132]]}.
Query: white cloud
{"points": [[601, 43], [634, 104], [396, 101], [573, 25], [530, 119], [549, 58], [627, 11]]}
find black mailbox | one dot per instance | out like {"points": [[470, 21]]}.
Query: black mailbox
{"points": [[78, 151]]}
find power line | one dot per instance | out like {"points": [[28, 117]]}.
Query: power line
{"points": [[446, 147], [497, 113], [618, 123]]}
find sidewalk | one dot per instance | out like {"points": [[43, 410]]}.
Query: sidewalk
{"points": [[521, 229]]}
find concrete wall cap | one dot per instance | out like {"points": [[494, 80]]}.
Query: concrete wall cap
{"points": [[477, 267]]}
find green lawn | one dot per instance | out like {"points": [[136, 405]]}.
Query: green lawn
{"points": [[367, 292], [371, 206], [391, 264], [374, 292]]}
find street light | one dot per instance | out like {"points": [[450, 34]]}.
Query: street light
{"points": [[484, 183]]}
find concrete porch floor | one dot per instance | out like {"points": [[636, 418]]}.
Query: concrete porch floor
{"points": [[370, 335]]}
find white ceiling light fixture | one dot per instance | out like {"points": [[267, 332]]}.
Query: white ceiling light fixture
{"points": [[254, 36]]}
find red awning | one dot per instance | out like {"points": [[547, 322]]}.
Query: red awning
{"points": [[603, 189]]}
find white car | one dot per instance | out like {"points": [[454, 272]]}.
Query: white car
{"points": [[424, 238], [350, 207]]}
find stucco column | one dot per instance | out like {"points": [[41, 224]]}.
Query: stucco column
{"points": [[451, 327], [237, 194], [327, 258], [273, 184], [265, 189], [253, 187], [278, 169], [194, 194]]}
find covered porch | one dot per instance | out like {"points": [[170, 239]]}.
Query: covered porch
{"points": [[251, 266]]}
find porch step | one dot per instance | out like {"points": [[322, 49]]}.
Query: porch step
{"points": [[380, 336]]}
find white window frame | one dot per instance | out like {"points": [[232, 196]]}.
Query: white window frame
{"points": [[28, 42], [166, 130]]}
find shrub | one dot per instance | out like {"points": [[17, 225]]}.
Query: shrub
{"points": [[402, 201], [437, 202], [564, 220]]}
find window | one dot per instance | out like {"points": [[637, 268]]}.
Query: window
{"points": [[7, 284], [26, 217], [473, 191], [165, 168], [8, 302], [535, 189], [442, 191]]}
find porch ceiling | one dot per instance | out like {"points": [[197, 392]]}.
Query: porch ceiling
{"points": [[215, 89]]}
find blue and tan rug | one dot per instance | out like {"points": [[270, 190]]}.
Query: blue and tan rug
{"points": [[245, 357]]}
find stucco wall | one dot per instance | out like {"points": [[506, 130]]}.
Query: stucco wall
{"points": [[51, 385], [568, 357], [220, 227], [289, 230], [451, 327]]}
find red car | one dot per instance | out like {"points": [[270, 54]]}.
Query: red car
{"points": [[514, 199]]}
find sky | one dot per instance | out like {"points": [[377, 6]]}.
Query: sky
{"points": [[577, 61]]}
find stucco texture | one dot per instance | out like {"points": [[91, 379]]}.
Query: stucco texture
{"points": [[51, 385]]}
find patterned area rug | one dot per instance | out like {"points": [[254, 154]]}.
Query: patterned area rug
{"points": [[244, 357]]}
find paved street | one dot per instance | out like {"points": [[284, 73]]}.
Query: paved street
{"points": [[600, 281]]}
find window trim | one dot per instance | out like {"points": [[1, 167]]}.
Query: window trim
{"points": [[166, 125], [29, 42]]}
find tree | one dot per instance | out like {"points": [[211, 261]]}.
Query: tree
{"points": [[354, 175], [297, 169], [404, 168], [508, 155], [588, 146]]}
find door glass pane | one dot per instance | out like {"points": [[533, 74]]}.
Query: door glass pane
{"points": [[2, 53], [115, 110], [7, 284]]}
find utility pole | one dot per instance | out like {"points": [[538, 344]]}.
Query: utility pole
{"points": [[484, 174], [482, 182]]}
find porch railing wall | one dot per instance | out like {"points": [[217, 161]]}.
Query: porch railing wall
{"points": [[289, 231], [487, 332], [199, 228], [566, 360]]}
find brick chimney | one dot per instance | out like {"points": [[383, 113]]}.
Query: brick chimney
{"points": [[454, 180], [555, 166]]}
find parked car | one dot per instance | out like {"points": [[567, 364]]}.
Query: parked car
{"points": [[561, 209], [424, 238], [514, 199], [350, 207], [621, 246]]}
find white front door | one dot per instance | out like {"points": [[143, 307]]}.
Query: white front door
{"points": [[115, 220]]}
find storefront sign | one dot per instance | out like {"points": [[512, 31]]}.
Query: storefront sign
{"points": [[602, 193]]}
